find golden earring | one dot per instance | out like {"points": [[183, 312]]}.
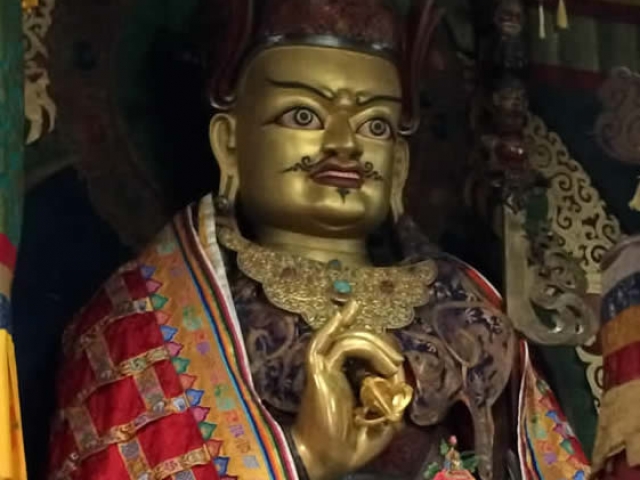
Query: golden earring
{"points": [[222, 205], [225, 201], [399, 181], [397, 204]]}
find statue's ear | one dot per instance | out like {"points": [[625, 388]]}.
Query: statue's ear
{"points": [[399, 180], [222, 136]]}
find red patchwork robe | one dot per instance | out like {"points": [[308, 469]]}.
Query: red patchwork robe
{"points": [[155, 383]]}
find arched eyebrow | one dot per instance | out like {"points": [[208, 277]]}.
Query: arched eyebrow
{"points": [[364, 100], [292, 84]]}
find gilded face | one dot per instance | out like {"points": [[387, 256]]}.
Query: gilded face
{"points": [[313, 142]]}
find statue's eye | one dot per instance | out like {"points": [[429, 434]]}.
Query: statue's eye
{"points": [[301, 117], [377, 128]]}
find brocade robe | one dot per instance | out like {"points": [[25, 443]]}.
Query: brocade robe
{"points": [[162, 376]]}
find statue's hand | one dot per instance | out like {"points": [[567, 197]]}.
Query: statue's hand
{"points": [[333, 434]]}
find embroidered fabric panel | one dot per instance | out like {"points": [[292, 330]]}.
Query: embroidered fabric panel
{"points": [[548, 447], [617, 444], [152, 386], [625, 294], [123, 412], [204, 359]]}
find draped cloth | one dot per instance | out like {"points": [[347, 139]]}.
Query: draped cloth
{"points": [[548, 447], [157, 382], [12, 461], [617, 448]]}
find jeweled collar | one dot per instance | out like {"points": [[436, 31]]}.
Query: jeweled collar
{"points": [[317, 290]]}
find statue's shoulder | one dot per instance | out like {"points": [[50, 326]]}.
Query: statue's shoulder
{"points": [[132, 290], [460, 278], [120, 387], [454, 275]]}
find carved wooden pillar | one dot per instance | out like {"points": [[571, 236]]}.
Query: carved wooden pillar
{"points": [[503, 96], [533, 253]]}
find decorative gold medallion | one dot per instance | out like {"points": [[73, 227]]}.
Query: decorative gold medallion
{"points": [[318, 290]]}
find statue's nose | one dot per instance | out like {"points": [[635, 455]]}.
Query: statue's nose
{"points": [[340, 140]]}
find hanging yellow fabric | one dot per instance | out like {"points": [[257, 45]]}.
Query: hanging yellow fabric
{"points": [[562, 19], [12, 460]]}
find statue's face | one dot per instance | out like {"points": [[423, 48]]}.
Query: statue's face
{"points": [[511, 100], [313, 140], [509, 17]]}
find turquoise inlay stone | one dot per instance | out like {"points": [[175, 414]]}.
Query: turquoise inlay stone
{"points": [[342, 286]]}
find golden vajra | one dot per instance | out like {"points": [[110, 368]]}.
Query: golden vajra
{"points": [[383, 401]]}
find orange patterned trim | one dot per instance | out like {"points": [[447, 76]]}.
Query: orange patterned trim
{"points": [[82, 427], [88, 441], [128, 368], [140, 363], [150, 389], [134, 459], [179, 464], [119, 312], [117, 291], [137, 465], [621, 331], [184, 475], [100, 360]]}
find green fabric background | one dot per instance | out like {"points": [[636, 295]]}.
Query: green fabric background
{"points": [[11, 119]]}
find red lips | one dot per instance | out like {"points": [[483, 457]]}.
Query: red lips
{"points": [[338, 173]]}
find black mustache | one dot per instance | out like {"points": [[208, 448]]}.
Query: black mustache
{"points": [[330, 162]]}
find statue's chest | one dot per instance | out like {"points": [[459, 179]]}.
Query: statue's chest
{"points": [[439, 340]]}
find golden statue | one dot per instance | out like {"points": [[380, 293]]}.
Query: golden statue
{"points": [[260, 336]]}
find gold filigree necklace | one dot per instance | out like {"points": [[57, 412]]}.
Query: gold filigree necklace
{"points": [[317, 290]]}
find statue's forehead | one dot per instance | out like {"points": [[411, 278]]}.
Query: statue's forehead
{"points": [[323, 67]]}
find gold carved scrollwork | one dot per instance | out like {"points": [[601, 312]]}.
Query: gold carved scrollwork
{"points": [[39, 107], [578, 219], [595, 372], [549, 275], [544, 295], [577, 212]]}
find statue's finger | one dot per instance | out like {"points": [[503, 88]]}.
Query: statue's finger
{"points": [[373, 440], [380, 354], [323, 338]]}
